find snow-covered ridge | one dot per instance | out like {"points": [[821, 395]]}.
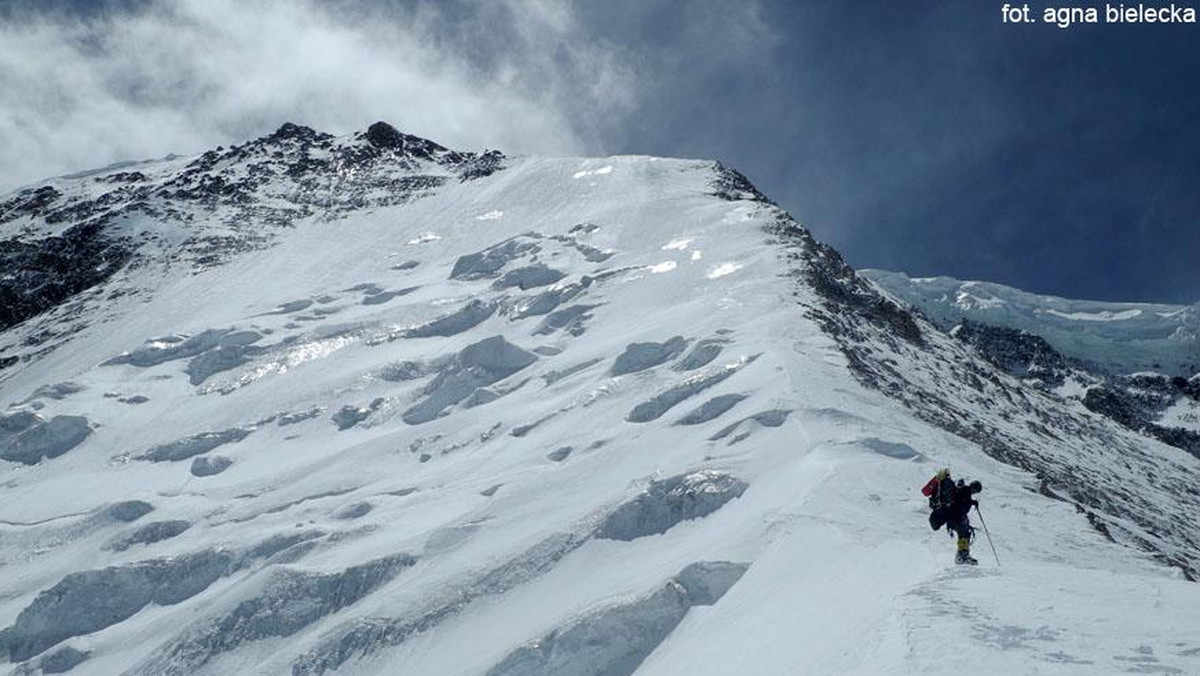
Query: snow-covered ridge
{"points": [[63, 237], [1120, 338], [574, 416]]}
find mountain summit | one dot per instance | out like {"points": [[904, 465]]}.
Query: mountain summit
{"points": [[365, 404]]}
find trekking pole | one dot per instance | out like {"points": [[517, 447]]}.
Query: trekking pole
{"points": [[989, 535]]}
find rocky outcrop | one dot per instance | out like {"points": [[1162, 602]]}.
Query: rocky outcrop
{"points": [[40, 274], [1019, 353], [1125, 408]]}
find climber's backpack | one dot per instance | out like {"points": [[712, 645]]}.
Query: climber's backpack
{"points": [[932, 488]]}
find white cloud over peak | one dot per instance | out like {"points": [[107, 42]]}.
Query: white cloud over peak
{"points": [[184, 76]]}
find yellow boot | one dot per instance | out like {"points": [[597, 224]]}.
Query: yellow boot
{"points": [[964, 553]]}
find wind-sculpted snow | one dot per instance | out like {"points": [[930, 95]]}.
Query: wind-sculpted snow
{"points": [[210, 352], [28, 438], [490, 261], [370, 635], [559, 454], [552, 377], [31, 540], [19, 420], [130, 510], [225, 357], [712, 409], [194, 445], [385, 296], [289, 601], [547, 301], [57, 391], [82, 603], [169, 348], [572, 319], [465, 318], [352, 511], [155, 531], [664, 401], [402, 371], [290, 306], [891, 449], [481, 396], [62, 660], [349, 416], [298, 417], [590, 253], [642, 356], [530, 493], [666, 503], [205, 465], [772, 418], [614, 641], [284, 547], [283, 507], [701, 354], [477, 365], [529, 277]]}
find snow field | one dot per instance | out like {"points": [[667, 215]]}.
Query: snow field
{"points": [[843, 577]]}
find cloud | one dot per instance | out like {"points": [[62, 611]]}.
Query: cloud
{"points": [[82, 90]]}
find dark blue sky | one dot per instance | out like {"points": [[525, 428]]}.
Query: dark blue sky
{"points": [[924, 136], [928, 137]]}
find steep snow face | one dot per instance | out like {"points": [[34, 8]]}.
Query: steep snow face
{"points": [[1120, 338], [65, 237], [575, 416]]}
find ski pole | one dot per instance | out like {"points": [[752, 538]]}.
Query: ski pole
{"points": [[989, 535]]}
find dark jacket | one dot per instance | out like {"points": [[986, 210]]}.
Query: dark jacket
{"points": [[961, 502], [956, 502]]}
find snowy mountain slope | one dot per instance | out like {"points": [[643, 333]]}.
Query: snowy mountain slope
{"points": [[1117, 338], [68, 235], [576, 416], [1093, 357]]}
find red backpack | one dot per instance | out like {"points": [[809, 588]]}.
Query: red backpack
{"points": [[931, 488]]}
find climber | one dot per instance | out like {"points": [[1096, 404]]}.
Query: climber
{"points": [[955, 500]]}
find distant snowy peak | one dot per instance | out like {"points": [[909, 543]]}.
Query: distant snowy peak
{"points": [[70, 234], [1117, 338]]}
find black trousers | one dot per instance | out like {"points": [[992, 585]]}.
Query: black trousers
{"points": [[962, 528]]}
